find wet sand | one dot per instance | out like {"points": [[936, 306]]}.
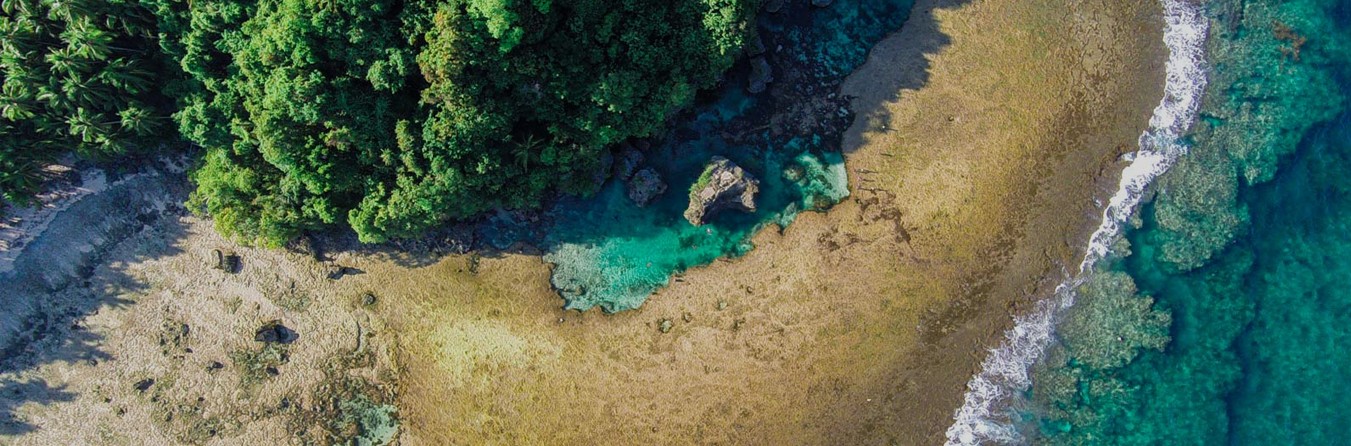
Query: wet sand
{"points": [[985, 131]]}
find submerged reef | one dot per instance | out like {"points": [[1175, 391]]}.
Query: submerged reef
{"points": [[1245, 264]]}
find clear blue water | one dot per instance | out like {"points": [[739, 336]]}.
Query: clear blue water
{"points": [[610, 253], [1225, 316]]}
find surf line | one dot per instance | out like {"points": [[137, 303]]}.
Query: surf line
{"points": [[985, 416]]}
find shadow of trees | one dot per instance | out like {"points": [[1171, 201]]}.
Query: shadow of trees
{"points": [[63, 276]]}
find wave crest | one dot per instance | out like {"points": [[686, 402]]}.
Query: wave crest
{"points": [[1006, 371]]}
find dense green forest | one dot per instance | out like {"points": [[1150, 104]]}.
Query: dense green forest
{"points": [[388, 116], [78, 76]]}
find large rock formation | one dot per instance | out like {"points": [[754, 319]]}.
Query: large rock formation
{"points": [[723, 185]]}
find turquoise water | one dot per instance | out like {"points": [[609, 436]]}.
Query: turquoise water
{"points": [[610, 253], [1224, 317]]}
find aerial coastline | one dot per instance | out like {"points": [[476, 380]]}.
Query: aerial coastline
{"points": [[975, 161]]}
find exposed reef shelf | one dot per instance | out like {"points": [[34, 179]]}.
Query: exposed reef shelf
{"points": [[607, 251]]}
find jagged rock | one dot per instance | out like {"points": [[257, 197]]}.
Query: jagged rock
{"points": [[274, 332], [773, 6], [144, 384], [644, 186], [756, 46], [722, 185], [229, 263], [336, 272], [761, 75], [664, 325], [628, 162], [822, 3]]}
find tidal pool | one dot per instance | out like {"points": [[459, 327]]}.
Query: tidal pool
{"points": [[608, 252]]}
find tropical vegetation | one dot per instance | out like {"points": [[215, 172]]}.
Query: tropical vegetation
{"points": [[385, 116], [75, 76]]}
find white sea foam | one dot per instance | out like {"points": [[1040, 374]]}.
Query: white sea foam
{"points": [[984, 417]]}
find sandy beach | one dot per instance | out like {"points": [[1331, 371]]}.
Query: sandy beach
{"points": [[986, 130]]}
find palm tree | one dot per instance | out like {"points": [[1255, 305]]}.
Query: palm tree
{"points": [[19, 8], [524, 148], [69, 10], [138, 119], [85, 91], [15, 108], [123, 74], [89, 127], [84, 39], [66, 61]]}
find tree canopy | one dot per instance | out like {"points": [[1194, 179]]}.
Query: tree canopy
{"points": [[77, 75], [394, 116]]}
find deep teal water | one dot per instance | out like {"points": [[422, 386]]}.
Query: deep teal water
{"points": [[608, 252], [1225, 316]]}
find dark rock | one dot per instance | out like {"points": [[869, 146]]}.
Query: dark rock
{"points": [[368, 299], [822, 3], [627, 164], [722, 185], [144, 385], [761, 75], [755, 46], [336, 272], [274, 332], [644, 186], [303, 245], [215, 365], [228, 262]]}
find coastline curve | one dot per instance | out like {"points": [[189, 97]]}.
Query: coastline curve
{"points": [[1006, 370]]}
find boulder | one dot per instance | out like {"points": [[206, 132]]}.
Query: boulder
{"points": [[628, 162], [274, 332], [755, 46], [722, 185], [644, 186], [228, 262], [761, 75]]}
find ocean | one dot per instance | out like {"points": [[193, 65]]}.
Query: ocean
{"points": [[1212, 306]]}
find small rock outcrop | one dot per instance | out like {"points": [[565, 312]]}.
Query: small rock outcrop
{"points": [[722, 185], [274, 332], [755, 46], [761, 75], [644, 186], [228, 262], [627, 163]]}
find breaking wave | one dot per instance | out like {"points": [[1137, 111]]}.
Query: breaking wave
{"points": [[984, 416]]}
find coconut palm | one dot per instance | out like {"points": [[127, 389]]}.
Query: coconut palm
{"points": [[86, 40]]}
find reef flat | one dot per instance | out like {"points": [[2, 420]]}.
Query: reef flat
{"points": [[983, 133]]}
